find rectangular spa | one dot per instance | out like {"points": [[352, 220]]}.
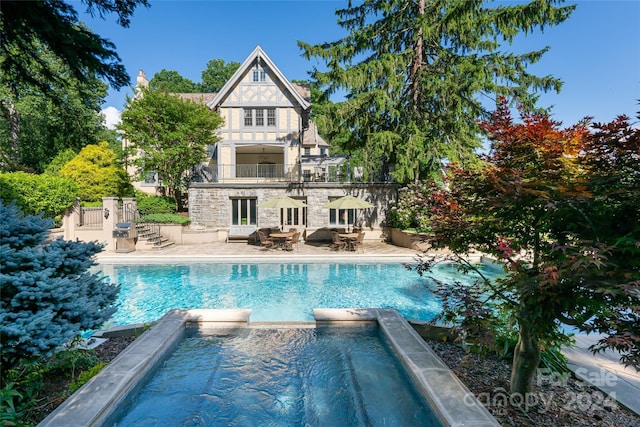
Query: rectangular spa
{"points": [[212, 367]]}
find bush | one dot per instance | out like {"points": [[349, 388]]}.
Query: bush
{"points": [[38, 194], [411, 210], [85, 376], [148, 205], [48, 293], [164, 219], [59, 161], [97, 173]]}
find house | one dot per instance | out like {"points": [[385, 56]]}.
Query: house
{"points": [[268, 146]]}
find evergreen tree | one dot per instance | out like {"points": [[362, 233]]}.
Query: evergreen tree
{"points": [[414, 71], [48, 293]]}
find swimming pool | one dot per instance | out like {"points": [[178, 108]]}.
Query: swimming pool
{"points": [[274, 291], [296, 376]]}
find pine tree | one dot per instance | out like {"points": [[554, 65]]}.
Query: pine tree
{"points": [[414, 72], [47, 291]]}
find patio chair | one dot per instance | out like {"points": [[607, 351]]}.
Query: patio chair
{"points": [[293, 240], [337, 242], [265, 242], [359, 242]]}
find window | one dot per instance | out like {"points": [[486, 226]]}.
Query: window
{"points": [[294, 216], [341, 216], [259, 75], [307, 151], [243, 211], [255, 116], [150, 178], [323, 151]]}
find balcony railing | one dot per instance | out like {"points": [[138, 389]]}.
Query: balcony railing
{"points": [[266, 173]]}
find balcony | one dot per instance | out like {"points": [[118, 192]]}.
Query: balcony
{"points": [[260, 173]]}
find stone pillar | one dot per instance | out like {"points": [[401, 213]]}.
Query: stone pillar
{"points": [[110, 212]]}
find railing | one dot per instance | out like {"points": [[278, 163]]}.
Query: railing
{"points": [[266, 173], [90, 217]]}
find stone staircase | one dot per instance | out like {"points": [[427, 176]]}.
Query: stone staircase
{"points": [[150, 234]]}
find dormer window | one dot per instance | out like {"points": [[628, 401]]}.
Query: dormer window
{"points": [[259, 75]]}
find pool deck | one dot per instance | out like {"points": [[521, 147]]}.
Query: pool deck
{"points": [[603, 370]]}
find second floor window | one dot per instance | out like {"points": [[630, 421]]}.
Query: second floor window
{"points": [[255, 116], [307, 151]]}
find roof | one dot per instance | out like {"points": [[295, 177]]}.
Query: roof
{"points": [[303, 90], [259, 55], [203, 98], [312, 137]]}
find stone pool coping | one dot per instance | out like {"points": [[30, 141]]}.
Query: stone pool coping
{"points": [[97, 401]]}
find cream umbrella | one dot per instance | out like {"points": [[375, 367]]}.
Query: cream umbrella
{"points": [[348, 202], [282, 202]]}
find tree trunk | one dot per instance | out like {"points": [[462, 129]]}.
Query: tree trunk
{"points": [[526, 358], [417, 61], [10, 159]]}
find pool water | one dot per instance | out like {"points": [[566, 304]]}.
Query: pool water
{"points": [[325, 376], [273, 291]]}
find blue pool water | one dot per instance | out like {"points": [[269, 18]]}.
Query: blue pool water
{"points": [[273, 291], [335, 376]]}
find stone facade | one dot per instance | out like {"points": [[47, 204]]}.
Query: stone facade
{"points": [[210, 208]]}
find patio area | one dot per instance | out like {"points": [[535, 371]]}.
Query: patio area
{"points": [[240, 249]]}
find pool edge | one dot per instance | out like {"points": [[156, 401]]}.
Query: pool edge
{"points": [[451, 401]]}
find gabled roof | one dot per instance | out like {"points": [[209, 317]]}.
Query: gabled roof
{"points": [[201, 98], [258, 54], [312, 137]]}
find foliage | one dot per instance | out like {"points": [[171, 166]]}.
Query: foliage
{"points": [[27, 26], [217, 74], [148, 205], [9, 416], [560, 209], [414, 73], [411, 210], [61, 159], [164, 218], [85, 376], [214, 76], [168, 136], [28, 382], [171, 81], [38, 194], [35, 126], [97, 173], [48, 294]]}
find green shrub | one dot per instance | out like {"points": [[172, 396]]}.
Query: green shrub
{"points": [[411, 211], [85, 376], [164, 219], [97, 173], [148, 205], [59, 161], [38, 194]]}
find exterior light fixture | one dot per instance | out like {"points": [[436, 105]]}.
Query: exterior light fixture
{"points": [[106, 213]]}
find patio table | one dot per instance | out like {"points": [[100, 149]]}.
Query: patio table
{"points": [[280, 239], [350, 238]]}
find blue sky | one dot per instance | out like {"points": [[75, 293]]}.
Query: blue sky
{"points": [[596, 52]]}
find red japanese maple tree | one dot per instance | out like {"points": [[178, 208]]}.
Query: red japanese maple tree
{"points": [[560, 209]]}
